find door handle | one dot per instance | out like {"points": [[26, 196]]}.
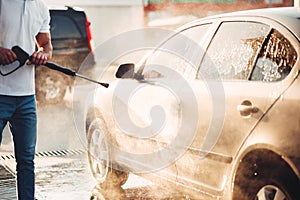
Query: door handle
{"points": [[246, 108]]}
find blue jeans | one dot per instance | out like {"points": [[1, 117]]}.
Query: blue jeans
{"points": [[20, 113]]}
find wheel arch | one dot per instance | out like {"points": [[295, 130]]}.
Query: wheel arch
{"points": [[259, 158], [91, 113]]}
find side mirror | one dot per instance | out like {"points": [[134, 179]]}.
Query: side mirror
{"points": [[125, 71]]}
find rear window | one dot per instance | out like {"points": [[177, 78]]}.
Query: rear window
{"points": [[276, 59], [63, 27]]}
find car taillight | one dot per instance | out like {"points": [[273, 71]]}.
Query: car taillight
{"points": [[89, 35]]}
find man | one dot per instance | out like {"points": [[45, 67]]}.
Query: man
{"points": [[24, 23]]}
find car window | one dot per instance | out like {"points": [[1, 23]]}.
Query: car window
{"points": [[63, 27], [181, 53], [276, 59], [233, 51]]}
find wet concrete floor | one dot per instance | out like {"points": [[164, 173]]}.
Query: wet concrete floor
{"points": [[68, 178]]}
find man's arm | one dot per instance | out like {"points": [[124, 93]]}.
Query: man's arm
{"points": [[44, 52]]}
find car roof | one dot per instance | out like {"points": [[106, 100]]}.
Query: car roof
{"points": [[287, 16], [64, 8]]}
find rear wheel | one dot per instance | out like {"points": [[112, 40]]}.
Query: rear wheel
{"points": [[265, 176], [271, 192], [99, 156]]}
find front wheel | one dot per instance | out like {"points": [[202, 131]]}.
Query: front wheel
{"points": [[99, 156]]}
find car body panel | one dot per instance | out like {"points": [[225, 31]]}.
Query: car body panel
{"points": [[225, 132], [236, 92]]}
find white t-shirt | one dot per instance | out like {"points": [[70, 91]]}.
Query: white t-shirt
{"points": [[20, 22]]}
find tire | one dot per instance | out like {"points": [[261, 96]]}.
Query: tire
{"points": [[50, 86], [265, 178], [107, 194], [99, 157]]}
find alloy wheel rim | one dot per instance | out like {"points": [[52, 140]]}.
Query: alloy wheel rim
{"points": [[271, 192], [98, 155]]}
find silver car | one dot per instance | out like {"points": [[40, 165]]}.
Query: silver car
{"points": [[213, 111]]}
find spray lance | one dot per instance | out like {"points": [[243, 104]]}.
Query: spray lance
{"points": [[23, 56]]}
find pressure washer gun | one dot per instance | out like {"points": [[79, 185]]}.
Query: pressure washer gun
{"points": [[23, 56]]}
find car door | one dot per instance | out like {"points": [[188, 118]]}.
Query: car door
{"points": [[238, 97], [156, 103]]}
